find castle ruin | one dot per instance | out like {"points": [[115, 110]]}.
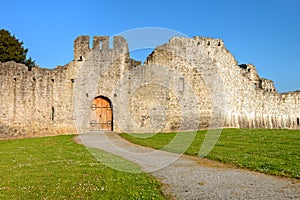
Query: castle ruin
{"points": [[185, 84]]}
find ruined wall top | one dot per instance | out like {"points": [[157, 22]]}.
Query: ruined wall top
{"points": [[199, 41], [198, 50], [210, 42]]}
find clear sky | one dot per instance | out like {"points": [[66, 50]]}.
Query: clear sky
{"points": [[265, 33]]}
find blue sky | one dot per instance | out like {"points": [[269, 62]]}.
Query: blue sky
{"points": [[265, 33]]}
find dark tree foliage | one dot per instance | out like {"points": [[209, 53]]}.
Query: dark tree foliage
{"points": [[11, 49]]}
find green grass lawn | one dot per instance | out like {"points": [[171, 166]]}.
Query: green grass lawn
{"points": [[275, 152], [58, 168]]}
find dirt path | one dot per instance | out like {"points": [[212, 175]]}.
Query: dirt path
{"points": [[186, 177]]}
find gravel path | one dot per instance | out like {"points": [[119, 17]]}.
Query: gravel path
{"points": [[186, 177]]}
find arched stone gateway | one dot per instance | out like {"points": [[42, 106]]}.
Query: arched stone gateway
{"points": [[101, 117]]}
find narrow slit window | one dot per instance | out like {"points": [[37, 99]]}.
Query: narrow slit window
{"points": [[298, 121], [260, 84], [181, 84], [52, 113]]}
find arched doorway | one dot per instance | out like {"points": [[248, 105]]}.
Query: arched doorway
{"points": [[101, 114]]}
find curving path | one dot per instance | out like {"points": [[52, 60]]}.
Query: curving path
{"points": [[186, 177]]}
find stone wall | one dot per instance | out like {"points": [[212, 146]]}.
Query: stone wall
{"points": [[35, 102], [185, 84]]}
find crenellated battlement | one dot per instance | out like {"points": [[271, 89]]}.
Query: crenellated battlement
{"points": [[82, 45], [100, 43]]}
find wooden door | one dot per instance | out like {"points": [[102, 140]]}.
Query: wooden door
{"points": [[101, 114]]}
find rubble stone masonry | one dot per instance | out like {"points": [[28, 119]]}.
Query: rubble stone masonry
{"points": [[185, 84]]}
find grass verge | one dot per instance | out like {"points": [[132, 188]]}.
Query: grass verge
{"points": [[58, 168], [270, 151]]}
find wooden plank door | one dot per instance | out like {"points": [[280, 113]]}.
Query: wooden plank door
{"points": [[102, 116]]}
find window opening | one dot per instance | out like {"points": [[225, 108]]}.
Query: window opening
{"points": [[100, 44], [181, 84], [52, 114], [260, 84]]}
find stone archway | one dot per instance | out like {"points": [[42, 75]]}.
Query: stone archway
{"points": [[101, 114]]}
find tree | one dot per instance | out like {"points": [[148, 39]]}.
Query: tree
{"points": [[11, 49]]}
